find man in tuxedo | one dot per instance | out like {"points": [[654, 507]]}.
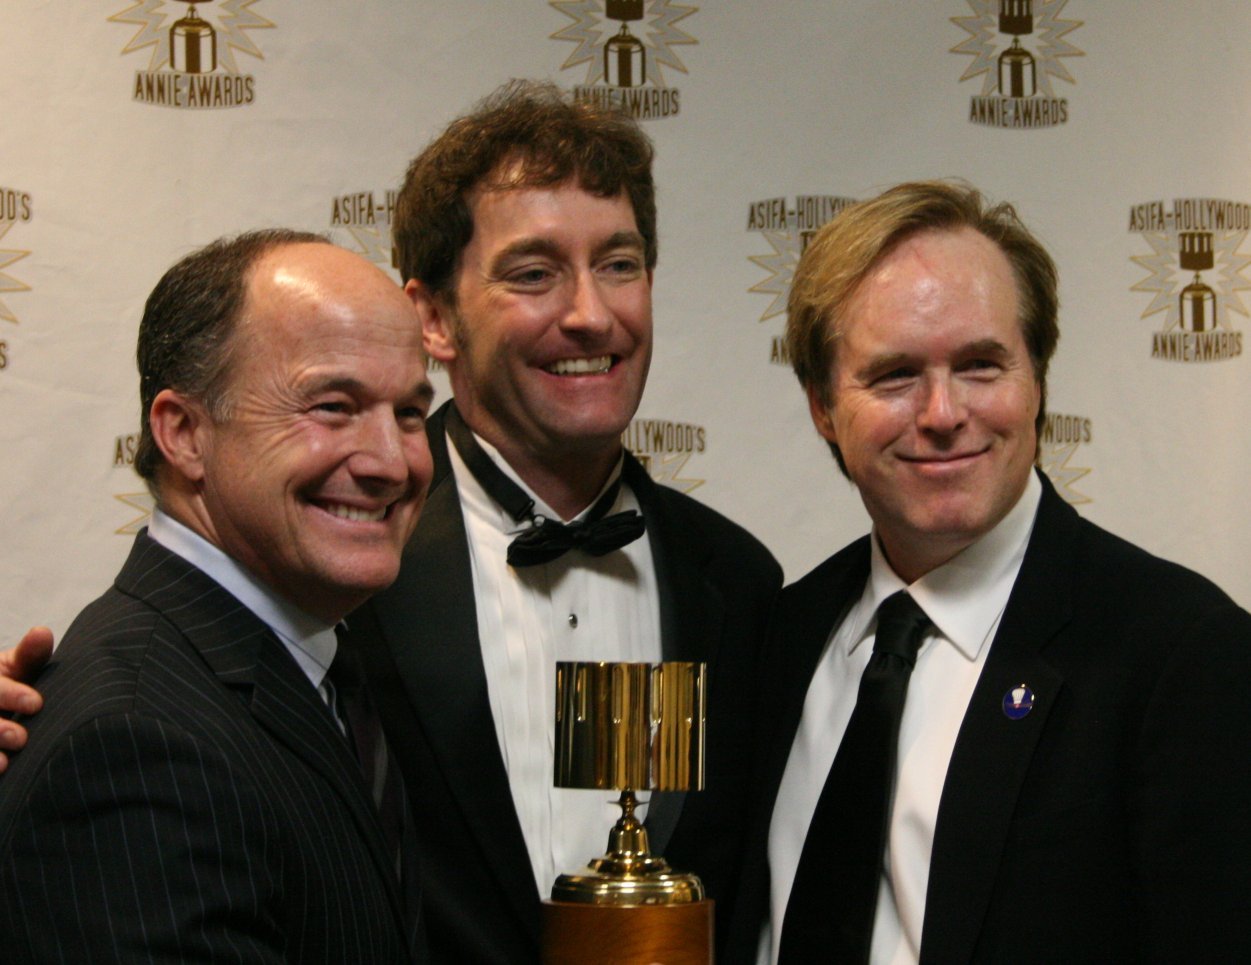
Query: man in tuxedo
{"points": [[1001, 733], [526, 233], [190, 791]]}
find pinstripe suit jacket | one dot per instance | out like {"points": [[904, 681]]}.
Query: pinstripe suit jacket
{"points": [[185, 796]]}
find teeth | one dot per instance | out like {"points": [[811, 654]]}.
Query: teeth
{"points": [[597, 366], [355, 514]]}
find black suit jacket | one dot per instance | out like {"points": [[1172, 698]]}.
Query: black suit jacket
{"points": [[185, 795], [480, 902], [1113, 823]]}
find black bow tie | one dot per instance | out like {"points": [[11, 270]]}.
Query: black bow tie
{"points": [[547, 539]]}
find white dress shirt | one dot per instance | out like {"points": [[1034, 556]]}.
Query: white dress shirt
{"points": [[310, 641], [964, 599], [577, 607]]}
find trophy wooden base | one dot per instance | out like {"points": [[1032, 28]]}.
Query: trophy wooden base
{"points": [[576, 934]]}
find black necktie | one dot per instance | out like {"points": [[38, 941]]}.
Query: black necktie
{"points": [[363, 730], [547, 539], [830, 914]]}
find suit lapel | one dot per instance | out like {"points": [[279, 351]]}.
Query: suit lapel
{"points": [[429, 626], [806, 615], [692, 610], [247, 658], [992, 753]]}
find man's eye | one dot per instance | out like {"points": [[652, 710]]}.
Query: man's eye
{"points": [[895, 375], [331, 407], [413, 416], [531, 276]]}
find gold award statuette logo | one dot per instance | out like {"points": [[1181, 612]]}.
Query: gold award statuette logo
{"points": [[191, 64], [788, 227], [626, 46], [1062, 436], [664, 447], [1196, 273], [1016, 46]]}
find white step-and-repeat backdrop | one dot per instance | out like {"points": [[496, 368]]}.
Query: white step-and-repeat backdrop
{"points": [[136, 130]]}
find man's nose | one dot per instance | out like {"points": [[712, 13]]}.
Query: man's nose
{"points": [[588, 310], [379, 448], [943, 405]]}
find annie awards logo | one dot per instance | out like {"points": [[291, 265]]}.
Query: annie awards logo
{"points": [[787, 225], [1060, 452], [1195, 270], [16, 208], [626, 47], [664, 447], [191, 46], [1017, 46]]}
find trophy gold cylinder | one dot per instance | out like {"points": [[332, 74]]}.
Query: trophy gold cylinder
{"points": [[192, 45], [1017, 72], [629, 727]]}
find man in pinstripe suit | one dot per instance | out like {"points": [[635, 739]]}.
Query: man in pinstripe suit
{"points": [[189, 793]]}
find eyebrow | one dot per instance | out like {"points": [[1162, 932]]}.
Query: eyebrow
{"points": [[891, 360], [424, 390], [985, 346], [550, 249]]}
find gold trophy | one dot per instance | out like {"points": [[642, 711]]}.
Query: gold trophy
{"points": [[629, 727]]}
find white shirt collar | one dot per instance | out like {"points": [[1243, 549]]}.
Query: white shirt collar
{"points": [[965, 596], [310, 641], [475, 498]]}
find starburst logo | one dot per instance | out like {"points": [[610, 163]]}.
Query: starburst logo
{"points": [[15, 207], [366, 217], [626, 50], [1017, 46], [664, 448], [124, 448], [141, 503], [787, 226], [191, 58], [1195, 275], [1062, 436]]}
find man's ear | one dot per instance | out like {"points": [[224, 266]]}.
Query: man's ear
{"points": [[180, 428], [822, 415], [437, 334]]}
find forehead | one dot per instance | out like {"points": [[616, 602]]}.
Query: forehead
{"points": [[935, 279], [309, 298], [561, 210]]}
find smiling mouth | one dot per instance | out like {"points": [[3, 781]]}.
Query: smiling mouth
{"points": [[592, 366], [355, 513], [943, 457]]}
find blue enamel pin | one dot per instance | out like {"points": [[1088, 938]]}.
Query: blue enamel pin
{"points": [[1018, 702]]}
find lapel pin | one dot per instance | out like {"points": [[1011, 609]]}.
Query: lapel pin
{"points": [[1018, 702]]}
